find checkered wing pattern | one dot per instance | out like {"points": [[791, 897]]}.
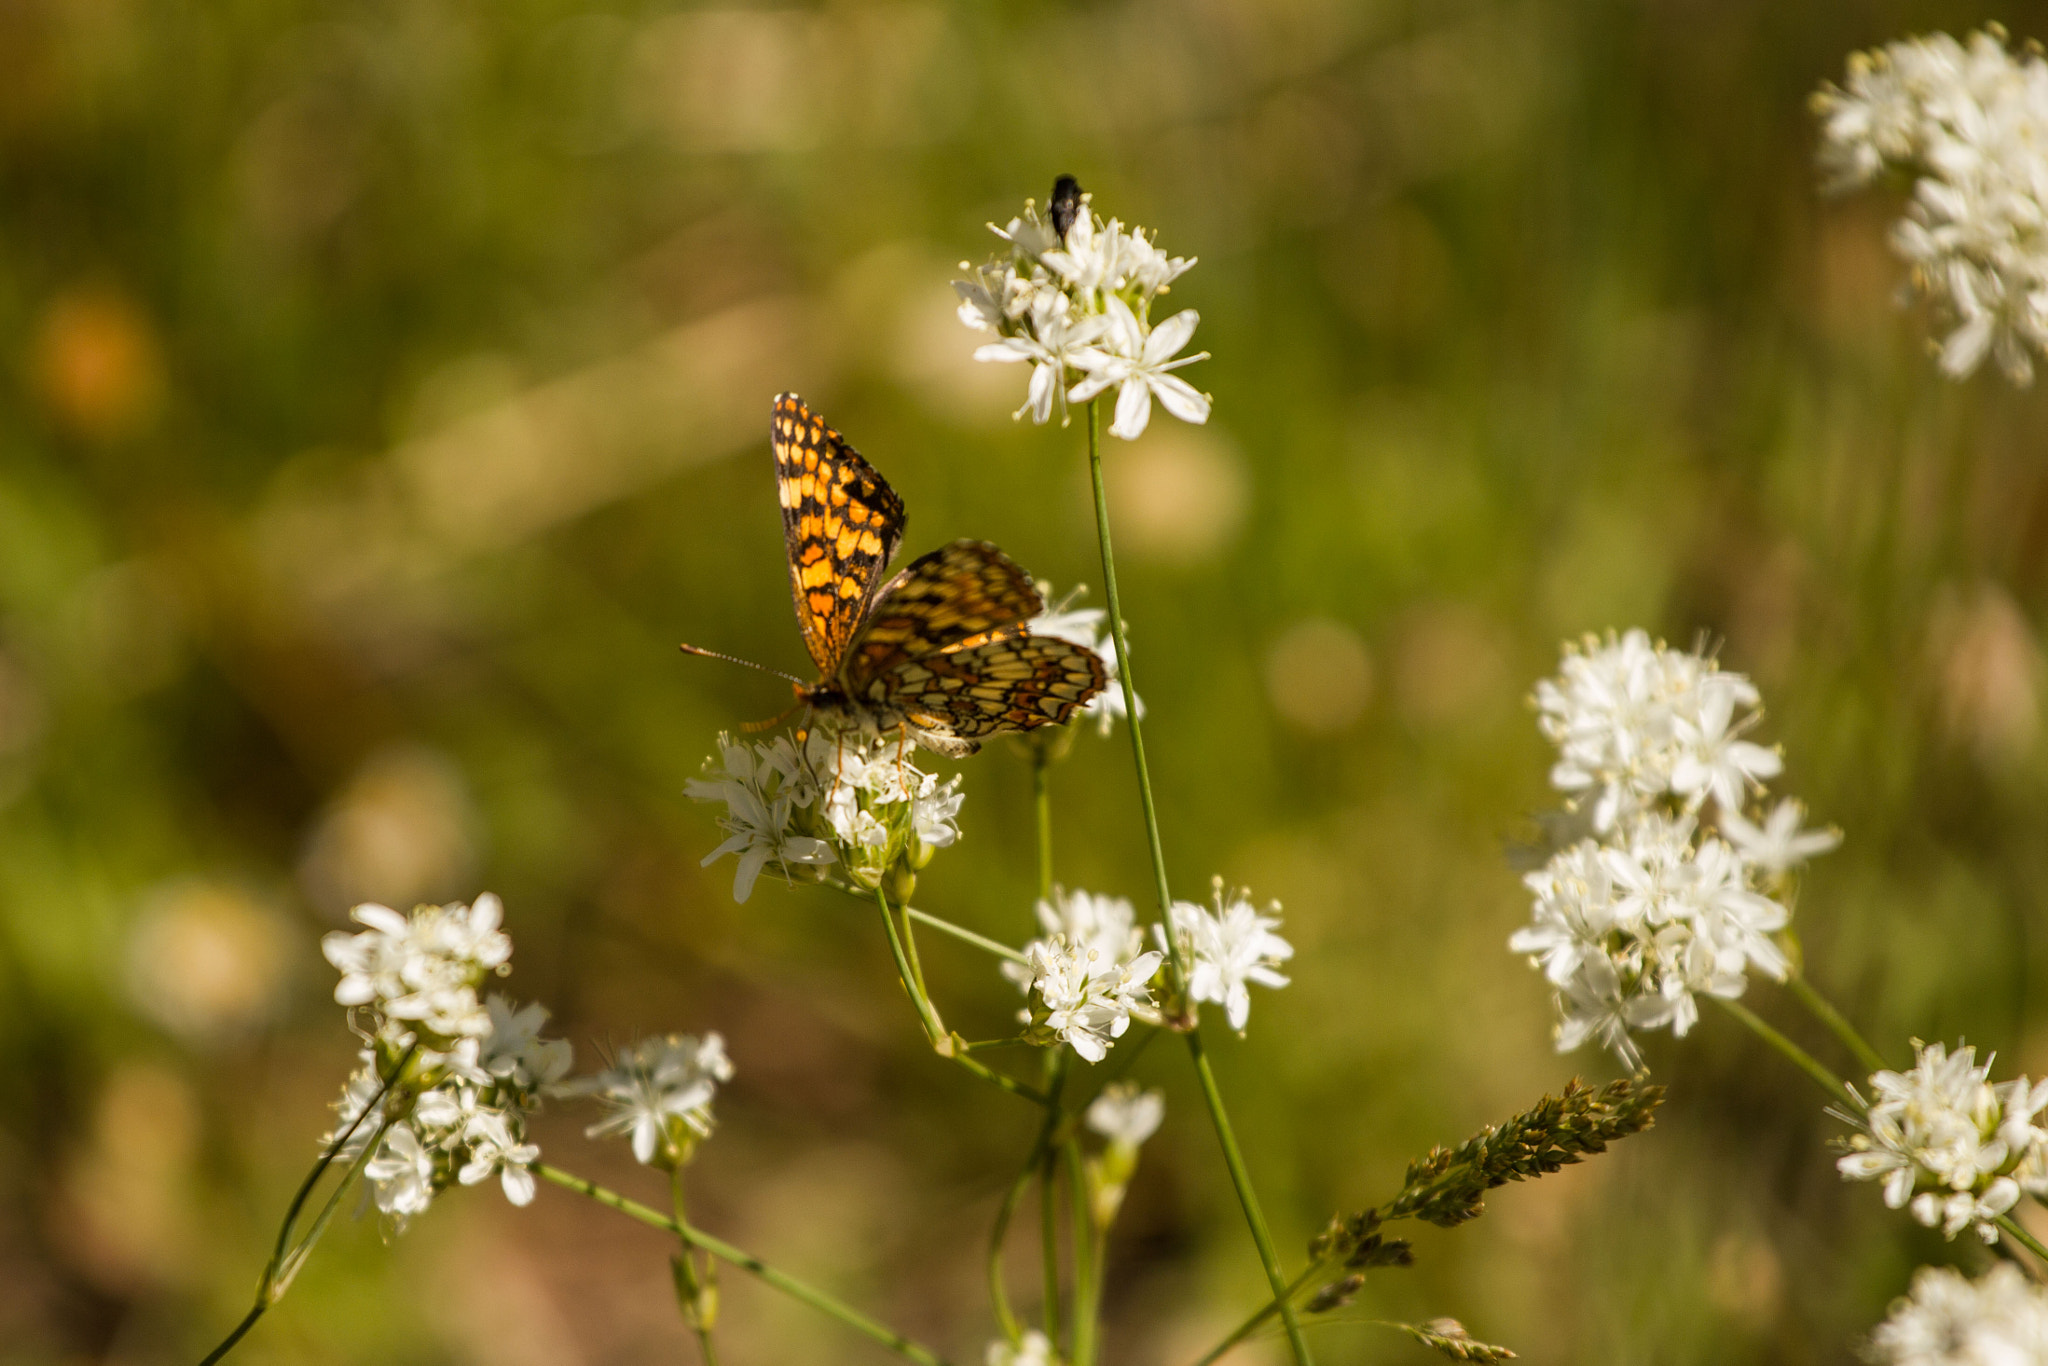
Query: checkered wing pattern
{"points": [[961, 593], [841, 522], [1013, 683]]}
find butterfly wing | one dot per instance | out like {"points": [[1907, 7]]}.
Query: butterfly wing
{"points": [[956, 698], [841, 523], [958, 593]]}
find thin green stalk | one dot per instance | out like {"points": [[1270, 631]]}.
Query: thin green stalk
{"points": [[726, 1252], [2022, 1237], [1239, 1176], [916, 966], [1041, 800], [1113, 605], [1049, 1241], [1837, 1024], [693, 1280], [1081, 1219], [965, 935], [285, 1258], [1793, 1053], [1048, 1193], [1251, 1325], [934, 1028]]}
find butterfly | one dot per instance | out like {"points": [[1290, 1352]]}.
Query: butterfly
{"points": [[942, 652]]}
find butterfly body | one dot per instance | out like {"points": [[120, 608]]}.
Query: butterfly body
{"points": [[941, 652]]}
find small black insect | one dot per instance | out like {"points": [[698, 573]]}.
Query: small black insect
{"points": [[1065, 205]]}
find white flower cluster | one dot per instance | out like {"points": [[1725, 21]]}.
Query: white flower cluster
{"points": [[1076, 306], [836, 797], [1999, 1319], [1089, 973], [1086, 627], [1951, 1147], [1126, 1117], [1670, 889], [659, 1094], [463, 1074], [1969, 123], [1229, 947]]}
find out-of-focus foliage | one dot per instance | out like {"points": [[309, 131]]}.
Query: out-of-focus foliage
{"points": [[386, 390]]}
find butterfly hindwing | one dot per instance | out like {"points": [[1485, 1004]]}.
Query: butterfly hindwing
{"points": [[841, 523], [941, 601], [1012, 683]]}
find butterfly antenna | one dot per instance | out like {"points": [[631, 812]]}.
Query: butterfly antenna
{"points": [[689, 649]]}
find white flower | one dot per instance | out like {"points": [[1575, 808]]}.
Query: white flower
{"points": [[659, 1093], [1140, 364], [1950, 1148], [1078, 310], [1226, 949], [1034, 1350], [1970, 123], [1053, 346], [1999, 1319], [1084, 626], [493, 1148], [935, 811], [1779, 844], [1089, 996], [402, 1173], [514, 1051], [1713, 761], [424, 969], [754, 783], [1124, 1114]]}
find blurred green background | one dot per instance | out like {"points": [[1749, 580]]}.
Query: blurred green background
{"points": [[386, 390]]}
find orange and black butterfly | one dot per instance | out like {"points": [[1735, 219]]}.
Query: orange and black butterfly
{"points": [[941, 652]]}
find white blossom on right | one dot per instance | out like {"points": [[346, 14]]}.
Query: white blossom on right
{"points": [[1999, 1319], [1967, 122], [1228, 948], [1670, 881], [1950, 1147], [658, 1094], [1071, 296]]}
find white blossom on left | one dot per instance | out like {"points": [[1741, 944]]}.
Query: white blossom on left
{"points": [[446, 1080]]}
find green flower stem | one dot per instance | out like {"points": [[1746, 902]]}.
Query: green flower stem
{"points": [[1041, 801], [1252, 1324], [1239, 1176], [1837, 1024], [1081, 1219], [285, 1257], [964, 935], [1056, 1081], [934, 1028], [1049, 1240], [2022, 1237], [1113, 603], [1793, 1053], [726, 1252], [687, 1266]]}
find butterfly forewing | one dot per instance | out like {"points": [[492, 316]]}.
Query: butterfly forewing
{"points": [[841, 522], [962, 592]]}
